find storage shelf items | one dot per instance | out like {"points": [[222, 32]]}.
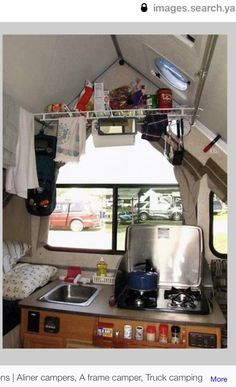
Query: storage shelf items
{"points": [[136, 113], [108, 333]]}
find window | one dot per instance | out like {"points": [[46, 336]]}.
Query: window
{"points": [[109, 189], [79, 218], [147, 205], [218, 226], [88, 217], [171, 74]]}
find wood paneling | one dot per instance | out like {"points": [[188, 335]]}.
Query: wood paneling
{"points": [[77, 331], [72, 328]]}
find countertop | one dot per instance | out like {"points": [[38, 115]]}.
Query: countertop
{"points": [[100, 307]]}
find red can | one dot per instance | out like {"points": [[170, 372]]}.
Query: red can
{"points": [[164, 99]]}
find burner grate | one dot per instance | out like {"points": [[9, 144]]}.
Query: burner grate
{"points": [[135, 299], [172, 300], [183, 298]]}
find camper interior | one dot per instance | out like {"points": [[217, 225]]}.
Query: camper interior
{"points": [[115, 191]]}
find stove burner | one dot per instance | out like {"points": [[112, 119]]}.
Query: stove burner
{"points": [[136, 299], [172, 300], [139, 302], [182, 298]]}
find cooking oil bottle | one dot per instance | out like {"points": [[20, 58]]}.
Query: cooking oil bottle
{"points": [[101, 267]]}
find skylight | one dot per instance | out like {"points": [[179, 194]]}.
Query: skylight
{"points": [[171, 74]]}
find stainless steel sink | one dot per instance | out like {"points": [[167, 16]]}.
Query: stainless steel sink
{"points": [[71, 294]]}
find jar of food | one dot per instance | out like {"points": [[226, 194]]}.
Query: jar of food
{"points": [[175, 334], [139, 332], [128, 332], [151, 333], [163, 333], [151, 101], [164, 99]]}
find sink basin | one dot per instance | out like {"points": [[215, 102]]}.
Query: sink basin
{"points": [[71, 294]]}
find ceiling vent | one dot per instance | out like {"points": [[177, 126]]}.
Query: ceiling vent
{"points": [[166, 74], [171, 74]]}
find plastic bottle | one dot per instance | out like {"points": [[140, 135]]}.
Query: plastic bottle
{"points": [[85, 96], [175, 334], [151, 333], [101, 267], [163, 333]]}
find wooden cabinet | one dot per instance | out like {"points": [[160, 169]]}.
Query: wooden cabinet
{"points": [[40, 341], [74, 331], [79, 331]]}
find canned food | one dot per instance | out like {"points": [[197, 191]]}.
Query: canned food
{"points": [[151, 333], [164, 98], [128, 332], [151, 101], [139, 332], [55, 107]]}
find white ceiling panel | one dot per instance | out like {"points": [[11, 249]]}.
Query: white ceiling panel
{"points": [[43, 69], [39, 70]]}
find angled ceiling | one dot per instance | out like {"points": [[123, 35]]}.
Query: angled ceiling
{"points": [[42, 69]]}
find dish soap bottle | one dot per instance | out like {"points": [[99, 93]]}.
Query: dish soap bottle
{"points": [[101, 267]]}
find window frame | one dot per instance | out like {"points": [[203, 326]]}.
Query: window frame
{"points": [[115, 188], [211, 229]]}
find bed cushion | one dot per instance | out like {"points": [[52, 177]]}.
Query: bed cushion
{"points": [[24, 279], [12, 252]]}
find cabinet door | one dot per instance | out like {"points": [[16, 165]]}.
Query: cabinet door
{"points": [[71, 327], [73, 343], [77, 327], [34, 341]]}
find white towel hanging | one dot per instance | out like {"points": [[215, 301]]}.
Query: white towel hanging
{"points": [[24, 175]]}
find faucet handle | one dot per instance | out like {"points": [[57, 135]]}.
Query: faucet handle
{"points": [[76, 279]]}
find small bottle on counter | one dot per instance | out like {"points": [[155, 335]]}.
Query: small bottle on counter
{"points": [[139, 332], [128, 332], [101, 267], [163, 333], [175, 334], [151, 333]]}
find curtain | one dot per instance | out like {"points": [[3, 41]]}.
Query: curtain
{"points": [[217, 179], [17, 220], [189, 189], [188, 176]]}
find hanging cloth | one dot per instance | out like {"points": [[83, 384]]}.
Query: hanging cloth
{"points": [[154, 126], [71, 139], [24, 175]]}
